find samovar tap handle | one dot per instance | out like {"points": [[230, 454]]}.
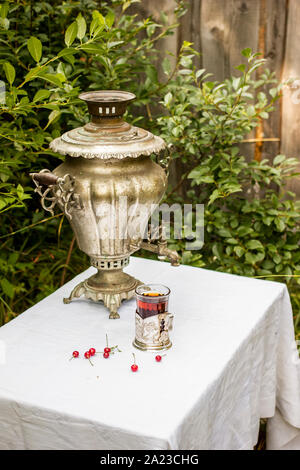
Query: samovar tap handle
{"points": [[162, 251]]}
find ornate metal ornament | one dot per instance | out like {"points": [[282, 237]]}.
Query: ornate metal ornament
{"points": [[107, 135], [58, 191], [107, 162], [148, 334]]}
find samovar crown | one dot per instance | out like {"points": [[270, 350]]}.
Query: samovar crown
{"points": [[107, 103]]}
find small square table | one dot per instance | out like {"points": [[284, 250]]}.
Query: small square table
{"points": [[233, 361]]}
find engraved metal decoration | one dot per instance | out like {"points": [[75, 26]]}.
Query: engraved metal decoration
{"points": [[107, 160], [149, 336]]}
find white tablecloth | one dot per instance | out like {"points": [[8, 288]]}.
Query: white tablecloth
{"points": [[233, 361]]}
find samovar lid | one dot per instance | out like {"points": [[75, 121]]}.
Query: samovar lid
{"points": [[107, 135]]}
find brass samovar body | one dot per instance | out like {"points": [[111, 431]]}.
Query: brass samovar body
{"points": [[105, 180]]}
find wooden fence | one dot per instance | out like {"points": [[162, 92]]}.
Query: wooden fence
{"points": [[220, 29]]}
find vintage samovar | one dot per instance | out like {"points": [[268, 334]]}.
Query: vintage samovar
{"points": [[108, 187]]}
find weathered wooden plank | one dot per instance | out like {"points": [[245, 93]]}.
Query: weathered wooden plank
{"points": [[290, 144], [190, 27], [214, 37], [272, 44], [242, 22], [154, 8], [227, 27]]}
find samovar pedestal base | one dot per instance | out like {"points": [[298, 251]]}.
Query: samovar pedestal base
{"points": [[111, 287]]}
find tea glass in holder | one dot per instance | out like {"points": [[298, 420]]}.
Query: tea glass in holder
{"points": [[152, 319]]}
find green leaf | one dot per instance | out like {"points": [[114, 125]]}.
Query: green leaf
{"points": [[254, 245], [98, 17], [34, 46], [280, 224], [185, 72], [110, 18], [111, 44], [277, 258], [166, 66], [4, 23], [250, 258], [247, 52], [176, 131], [217, 250], [268, 264], [204, 179], [200, 72], [244, 230], [4, 9], [239, 251], [279, 159], [97, 24], [214, 195], [232, 241], [71, 33], [53, 116], [10, 72], [67, 51], [95, 27], [251, 110], [168, 98], [54, 79], [20, 191], [236, 82], [81, 24], [241, 67], [223, 232], [264, 114], [273, 92], [41, 95], [7, 288], [92, 48]]}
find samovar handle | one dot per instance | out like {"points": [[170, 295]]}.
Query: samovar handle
{"points": [[59, 190], [44, 178]]}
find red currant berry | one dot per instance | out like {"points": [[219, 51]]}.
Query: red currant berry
{"points": [[87, 354], [134, 367], [107, 350], [106, 354], [75, 354], [92, 351], [158, 358]]}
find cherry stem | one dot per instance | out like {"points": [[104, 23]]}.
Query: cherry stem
{"points": [[91, 362], [133, 358], [71, 358], [106, 341]]}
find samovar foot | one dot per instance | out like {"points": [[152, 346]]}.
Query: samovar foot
{"points": [[95, 290], [78, 291], [114, 315]]}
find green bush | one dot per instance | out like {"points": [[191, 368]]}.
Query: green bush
{"points": [[52, 51], [251, 221], [49, 53]]}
